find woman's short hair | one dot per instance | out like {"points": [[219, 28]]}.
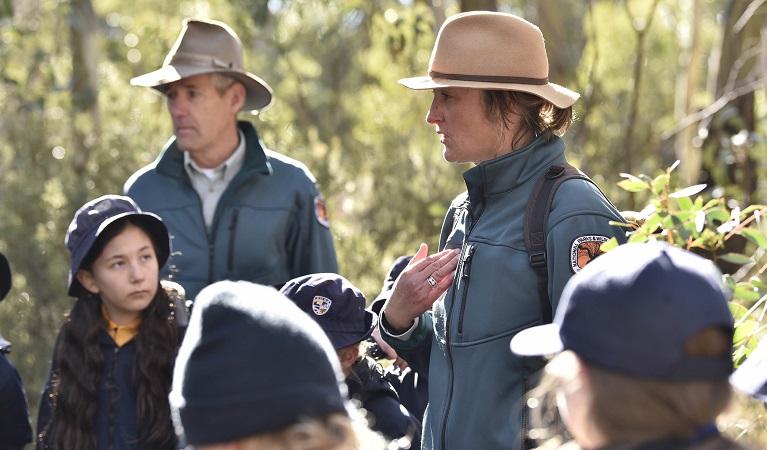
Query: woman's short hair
{"points": [[538, 116]]}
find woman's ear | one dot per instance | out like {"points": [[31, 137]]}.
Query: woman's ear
{"points": [[86, 279]]}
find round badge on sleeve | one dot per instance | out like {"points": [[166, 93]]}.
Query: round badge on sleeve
{"points": [[584, 249], [320, 212]]}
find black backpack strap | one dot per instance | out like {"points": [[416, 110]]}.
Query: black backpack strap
{"points": [[536, 216]]}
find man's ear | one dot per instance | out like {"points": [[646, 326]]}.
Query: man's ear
{"points": [[237, 95], [86, 279]]}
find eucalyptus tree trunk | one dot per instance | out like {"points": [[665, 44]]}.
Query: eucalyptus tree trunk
{"points": [[84, 87]]}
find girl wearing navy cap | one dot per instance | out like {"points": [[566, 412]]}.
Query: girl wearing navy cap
{"points": [[112, 364]]}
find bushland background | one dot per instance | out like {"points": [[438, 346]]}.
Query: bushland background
{"points": [[661, 80]]}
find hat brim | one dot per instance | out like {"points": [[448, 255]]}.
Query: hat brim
{"points": [[341, 339], [258, 94], [158, 233], [560, 96], [537, 341]]}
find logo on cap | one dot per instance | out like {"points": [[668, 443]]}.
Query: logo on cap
{"points": [[321, 305], [585, 249]]}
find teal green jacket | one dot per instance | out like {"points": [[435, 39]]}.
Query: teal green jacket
{"points": [[269, 226], [477, 387]]}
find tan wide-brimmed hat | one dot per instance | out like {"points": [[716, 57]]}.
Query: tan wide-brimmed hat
{"points": [[491, 50], [208, 46]]}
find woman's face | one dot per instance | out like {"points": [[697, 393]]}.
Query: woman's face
{"points": [[467, 135], [125, 275]]}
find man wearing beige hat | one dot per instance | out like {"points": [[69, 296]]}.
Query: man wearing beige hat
{"points": [[453, 314], [235, 209]]}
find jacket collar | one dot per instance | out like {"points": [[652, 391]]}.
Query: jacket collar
{"points": [[171, 159], [510, 171]]}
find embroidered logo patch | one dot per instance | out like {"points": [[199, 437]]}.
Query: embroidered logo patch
{"points": [[584, 249], [321, 305], [320, 212]]}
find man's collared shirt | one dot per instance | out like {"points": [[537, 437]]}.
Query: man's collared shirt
{"points": [[210, 184]]}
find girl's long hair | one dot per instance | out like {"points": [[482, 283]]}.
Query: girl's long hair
{"points": [[80, 363]]}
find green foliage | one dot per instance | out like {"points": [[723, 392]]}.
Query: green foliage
{"points": [[734, 239], [731, 238]]}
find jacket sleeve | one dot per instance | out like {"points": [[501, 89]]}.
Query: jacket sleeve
{"points": [[416, 350], [579, 223], [15, 427], [312, 249]]}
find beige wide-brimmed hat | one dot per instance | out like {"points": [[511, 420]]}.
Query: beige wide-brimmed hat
{"points": [[491, 50], [209, 46]]}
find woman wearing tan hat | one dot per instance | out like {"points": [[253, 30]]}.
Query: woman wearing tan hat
{"points": [[494, 107]]}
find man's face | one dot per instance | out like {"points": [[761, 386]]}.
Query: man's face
{"points": [[202, 117]]}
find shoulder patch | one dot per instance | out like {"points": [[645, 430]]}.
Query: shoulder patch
{"points": [[321, 305], [320, 212], [584, 249]]}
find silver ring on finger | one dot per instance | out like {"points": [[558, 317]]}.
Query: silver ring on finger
{"points": [[432, 282]]}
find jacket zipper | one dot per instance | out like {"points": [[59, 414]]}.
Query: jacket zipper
{"points": [[232, 229], [465, 273], [525, 413], [449, 353], [112, 385]]}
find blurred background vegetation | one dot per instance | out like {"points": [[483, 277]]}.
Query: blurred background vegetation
{"points": [[661, 80]]}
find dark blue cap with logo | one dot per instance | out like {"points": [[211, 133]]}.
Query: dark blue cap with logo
{"points": [[335, 304], [634, 309], [94, 217]]}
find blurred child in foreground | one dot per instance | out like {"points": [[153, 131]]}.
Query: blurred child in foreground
{"points": [[255, 373], [645, 336]]}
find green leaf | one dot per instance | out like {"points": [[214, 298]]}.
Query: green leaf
{"points": [[735, 258], [755, 237], [718, 215], [750, 209], [633, 185], [756, 281], [744, 331], [684, 203], [609, 245], [659, 183], [744, 291], [737, 310]]}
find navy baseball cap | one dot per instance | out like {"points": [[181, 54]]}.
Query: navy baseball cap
{"points": [[94, 217], [333, 302], [634, 309], [5, 276], [396, 268]]}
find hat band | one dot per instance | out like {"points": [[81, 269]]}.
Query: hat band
{"points": [[200, 60], [489, 78]]}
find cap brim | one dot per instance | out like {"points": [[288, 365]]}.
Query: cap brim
{"points": [[560, 96], [341, 339], [259, 95], [537, 341], [751, 376]]}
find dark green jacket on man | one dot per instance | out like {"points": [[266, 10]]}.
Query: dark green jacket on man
{"points": [[269, 227]]}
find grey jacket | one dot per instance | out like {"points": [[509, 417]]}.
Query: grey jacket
{"points": [[269, 226], [477, 387]]}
